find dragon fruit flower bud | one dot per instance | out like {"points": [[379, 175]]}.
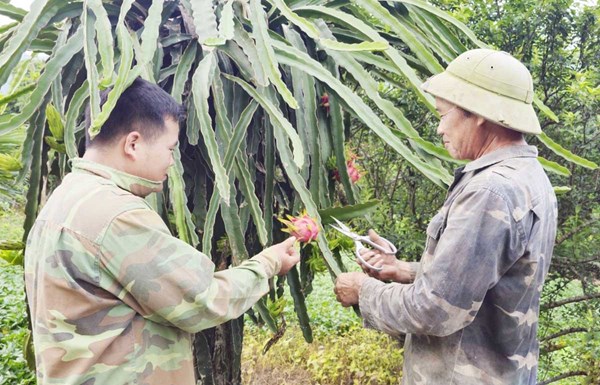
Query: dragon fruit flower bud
{"points": [[303, 227]]}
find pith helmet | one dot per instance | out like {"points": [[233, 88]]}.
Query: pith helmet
{"points": [[491, 84]]}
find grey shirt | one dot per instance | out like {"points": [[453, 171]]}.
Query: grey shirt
{"points": [[471, 314]]}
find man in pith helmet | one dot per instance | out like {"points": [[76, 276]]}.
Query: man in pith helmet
{"points": [[470, 307]]}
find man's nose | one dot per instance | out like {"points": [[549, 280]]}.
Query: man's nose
{"points": [[440, 130]]}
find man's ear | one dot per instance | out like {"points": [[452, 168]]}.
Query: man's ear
{"points": [[131, 144]]}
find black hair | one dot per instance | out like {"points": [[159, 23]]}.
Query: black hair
{"points": [[142, 107]]}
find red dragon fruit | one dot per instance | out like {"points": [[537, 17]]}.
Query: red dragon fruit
{"points": [[303, 227], [324, 102], [352, 170]]}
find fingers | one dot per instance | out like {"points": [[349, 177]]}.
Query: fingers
{"points": [[377, 239], [289, 243]]}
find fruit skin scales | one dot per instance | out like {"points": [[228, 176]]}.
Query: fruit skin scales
{"points": [[303, 227]]}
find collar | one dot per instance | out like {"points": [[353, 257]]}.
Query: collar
{"points": [[504, 153], [134, 184]]}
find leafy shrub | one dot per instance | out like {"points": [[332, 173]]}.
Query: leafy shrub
{"points": [[13, 328], [359, 356]]}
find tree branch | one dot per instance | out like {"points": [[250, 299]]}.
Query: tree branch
{"points": [[562, 302], [563, 333], [563, 376], [568, 235]]}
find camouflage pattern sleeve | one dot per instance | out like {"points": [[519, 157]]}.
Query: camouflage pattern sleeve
{"points": [[169, 282], [479, 244]]}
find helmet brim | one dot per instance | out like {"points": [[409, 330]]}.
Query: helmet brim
{"points": [[507, 112]]}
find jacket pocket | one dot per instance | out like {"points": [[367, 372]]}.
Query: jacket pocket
{"points": [[434, 232]]}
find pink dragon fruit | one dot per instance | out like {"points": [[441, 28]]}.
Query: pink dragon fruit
{"points": [[303, 227], [352, 170]]}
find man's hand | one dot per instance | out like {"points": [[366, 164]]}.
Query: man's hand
{"points": [[347, 288], [391, 268], [287, 252]]}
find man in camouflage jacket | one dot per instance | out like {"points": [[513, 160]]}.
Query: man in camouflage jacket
{"points": [[470, 307], [114, 296]]}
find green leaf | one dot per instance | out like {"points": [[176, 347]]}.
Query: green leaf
{"points": [[387, 19], [125, 75], [55, 145], [34, 162], [545, 109], [90, 51], [9, 163], [55, 122], [397, 63], [445, 16], [293, 280], [37, 18], [53, 67], [226, 24], [105, 41], [9, 10], [245, 42], [205, 20], [20, 92], [201, 82], [553, 167], [371, 88], [151, 30], [364, 46], [348, 212], [306, 116], [260, 32], [566, 154], [276, 117], [560, 190], [183, 69], [183, 217], [75, 107], [293, 57]]}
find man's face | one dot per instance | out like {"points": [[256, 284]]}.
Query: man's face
{"points": [[156, 154], [460, 133]]}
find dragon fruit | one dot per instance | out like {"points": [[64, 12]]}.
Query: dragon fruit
{"points": [[352, 170], [303, 227]]}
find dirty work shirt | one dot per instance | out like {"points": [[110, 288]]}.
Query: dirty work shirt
{"points": [[114, 297], [471, 314]]}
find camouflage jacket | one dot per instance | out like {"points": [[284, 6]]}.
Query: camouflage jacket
{"points": [[114, 296], [471, 314]]}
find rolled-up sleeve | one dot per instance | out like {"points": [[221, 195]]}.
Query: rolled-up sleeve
{"points": [[170, 282], [480, 242]]}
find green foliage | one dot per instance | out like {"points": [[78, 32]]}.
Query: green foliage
{"points": [[343, 352], [13, 328], [360, 356]]}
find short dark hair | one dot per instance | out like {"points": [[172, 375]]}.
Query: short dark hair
{"points": [[142, 107]]}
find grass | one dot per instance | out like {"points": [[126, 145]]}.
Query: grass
{"points": [[343, 352], [13, 328]]}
